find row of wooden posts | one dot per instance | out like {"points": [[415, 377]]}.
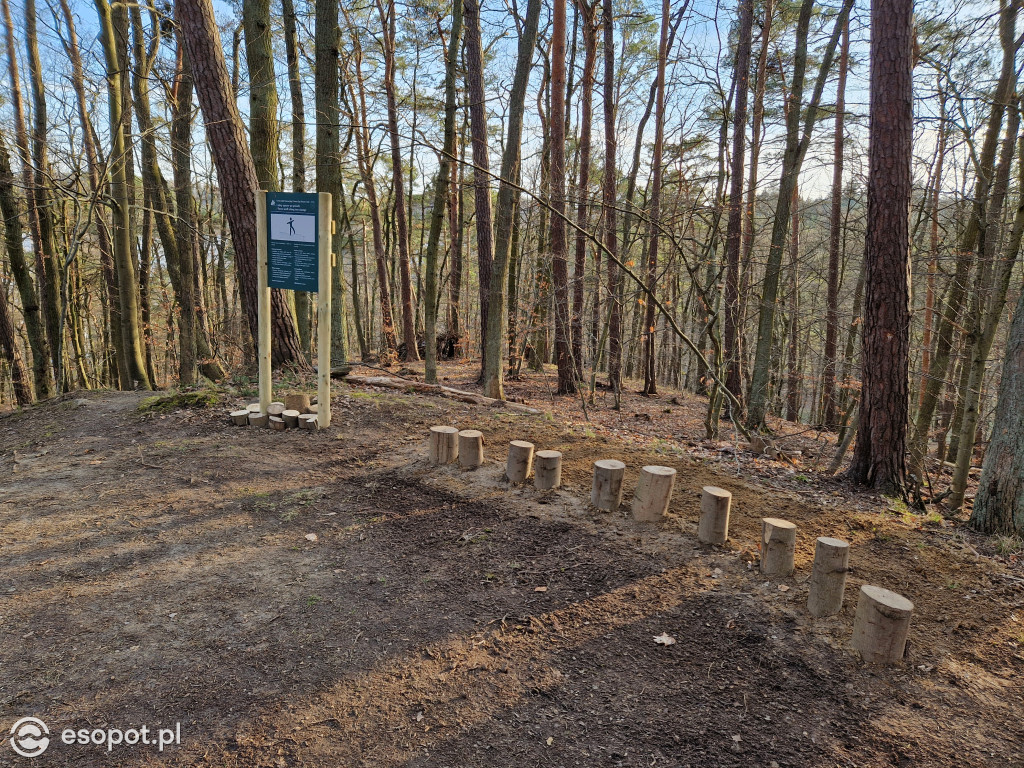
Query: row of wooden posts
{"points": [[295, 411], [882, 621]]}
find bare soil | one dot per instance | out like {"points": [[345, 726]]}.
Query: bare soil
{"points": [[330, 599]]}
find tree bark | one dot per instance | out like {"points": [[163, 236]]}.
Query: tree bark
{"points": [[879, 457], [608, 203], [236, 171]]}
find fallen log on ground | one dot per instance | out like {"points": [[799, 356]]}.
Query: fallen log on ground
{"points": [[455, 394]]}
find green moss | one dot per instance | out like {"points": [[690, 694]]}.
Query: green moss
{"points": [[204, 398]]}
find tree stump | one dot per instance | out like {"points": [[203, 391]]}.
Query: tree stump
{"points": [[778, 543], [241, 418], [291, 418], [276, 409], [606, 493], [520, 461], [307, 421], [471, 448], [444, 445], [548, 474], [276, 422], [298, 403], [881, 625], [653, 493], [258, 419], [828, 577], [715, 504]]}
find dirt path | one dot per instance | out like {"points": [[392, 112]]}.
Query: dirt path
{"points": [[162, 568]]}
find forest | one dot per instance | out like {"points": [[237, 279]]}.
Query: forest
{"points": [[798, 210]]}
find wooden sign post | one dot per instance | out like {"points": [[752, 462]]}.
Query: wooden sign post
{"points": [[293, 252]]}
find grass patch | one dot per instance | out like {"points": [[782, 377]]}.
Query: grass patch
{"points": [[204, 398]]}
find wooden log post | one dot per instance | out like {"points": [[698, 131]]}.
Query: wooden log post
{"points": [[778, 544], [277, 423], [881, 625], [653, 493], [298, 403], [606, 493], [241, 418], [520, 461], [443, 447], [548, 474], [291, 417], [307, 421], [258, 419], [471, 448], [715, 504], [276, 409], [828, 577]]}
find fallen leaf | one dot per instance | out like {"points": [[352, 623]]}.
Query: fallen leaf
{"points": [[540, 589], [737, 738], [783, 588], [550, 739], [665, 639], [311, 537]]}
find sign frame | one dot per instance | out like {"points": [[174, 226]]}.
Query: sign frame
{"points": [[324, 229]]}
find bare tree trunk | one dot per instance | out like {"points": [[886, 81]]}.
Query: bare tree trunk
{"points": [[793, 361], [879, 456], [559, 265], [481, 162], [303, 302], [128, 300], [507, 208], [650, 379], [796, 149], [830, 414], [589, 14], [388, 24], [608, 202], [235, 169], [734, 232]]}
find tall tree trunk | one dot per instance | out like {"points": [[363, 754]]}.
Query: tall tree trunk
{"points": [[734, 231], [589, 15], [389, 25], [127, 297], [9, 351], [507, 208], [793, 361], [796, 149], [235, 169], [608, 202], [31, 307], [879, 456], [830, 413], [441, 194], [933, 250], [264, 135], [48, 269], [364, 156], [559, 266], [649, 336], [481, 162], [328, 158], [303, 302]]}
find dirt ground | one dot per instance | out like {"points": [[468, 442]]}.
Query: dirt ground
{"points": [[330, 599]]}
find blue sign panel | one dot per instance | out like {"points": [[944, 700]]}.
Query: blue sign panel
{"points": [[293, 250]]}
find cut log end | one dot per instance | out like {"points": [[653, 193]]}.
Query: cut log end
{"points": [[548, 473], [443, 445], [778, 546], [276, 409], [828, 577], [606, 493], [520, 461], [881, 625], [297, 402], [241, 418], [291, 418], [471, 448], [258, 419], [277, 423], [653, 493], [715, 507], [308, 421]]}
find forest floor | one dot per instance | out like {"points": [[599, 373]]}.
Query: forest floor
{"points": [[330, 599]]}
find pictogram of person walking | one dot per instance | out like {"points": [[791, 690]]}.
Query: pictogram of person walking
{"points": [[291, 226]]}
